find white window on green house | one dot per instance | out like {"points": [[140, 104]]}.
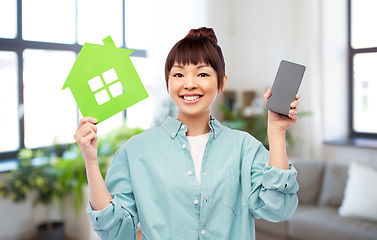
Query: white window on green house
{"points": [[106, 86]]}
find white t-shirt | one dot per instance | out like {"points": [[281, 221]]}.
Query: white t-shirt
{"points": [[197, 147]]}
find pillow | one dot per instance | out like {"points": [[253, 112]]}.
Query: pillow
{"points": [[360, 195], [333, 185], [309, 178]]}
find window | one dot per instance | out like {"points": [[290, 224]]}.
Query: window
{"points": [[8, 14], [44, 72], [9, 101], [363, 71], [38, 47]]}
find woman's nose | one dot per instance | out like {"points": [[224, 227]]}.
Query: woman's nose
{"points": [[190, 83]]}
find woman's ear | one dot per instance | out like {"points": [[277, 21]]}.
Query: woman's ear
{"points": [[225, 80]]}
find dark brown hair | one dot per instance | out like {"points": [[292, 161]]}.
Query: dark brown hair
{"points": [[199, 46]]}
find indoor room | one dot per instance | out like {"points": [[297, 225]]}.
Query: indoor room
{"points": [[44, 190]]}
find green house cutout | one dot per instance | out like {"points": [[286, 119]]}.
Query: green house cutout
{"points": [[104, 81]]}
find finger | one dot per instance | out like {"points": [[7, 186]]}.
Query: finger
{"points": [[294, 104], [292, 112], [92, 126], [87, 140], [85, 120], [85, 130], [298, 96], [267, 94], [87, 126], [294, 117]]}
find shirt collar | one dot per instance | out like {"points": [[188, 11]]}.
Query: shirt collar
{"points": [[172, 126]]}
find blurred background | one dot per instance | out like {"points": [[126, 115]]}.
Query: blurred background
{"points": [[40, 40]]}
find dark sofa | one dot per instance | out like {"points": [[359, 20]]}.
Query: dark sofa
{"points": [[316, 218]]}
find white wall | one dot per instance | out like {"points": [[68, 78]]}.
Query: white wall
{"points": [[334, 62], [256, 35]]}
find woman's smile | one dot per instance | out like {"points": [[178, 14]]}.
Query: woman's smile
{"points": [[193, 88], [190, 99]]}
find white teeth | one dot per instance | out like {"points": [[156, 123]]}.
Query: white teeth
{"points": [[190, 98]]}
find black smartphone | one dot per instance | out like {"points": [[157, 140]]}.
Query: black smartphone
{"points": [[285, 87]]}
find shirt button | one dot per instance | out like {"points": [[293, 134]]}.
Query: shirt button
{"points": [[183, 126], [196, 201], [189, 173], [206, 199], [203, 232], [184, 146], [205, 171]]}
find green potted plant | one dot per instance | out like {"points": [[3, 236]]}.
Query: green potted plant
{"points": [[56, 172], [255, 124]]}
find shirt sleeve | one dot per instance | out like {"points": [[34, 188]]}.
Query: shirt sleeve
{"points": [[119, 219], [273, 194]]}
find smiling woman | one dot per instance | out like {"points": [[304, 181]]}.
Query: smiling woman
{"points": [[193, 88]]}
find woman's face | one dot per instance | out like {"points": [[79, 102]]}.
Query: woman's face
{"points": [[193, 88]]}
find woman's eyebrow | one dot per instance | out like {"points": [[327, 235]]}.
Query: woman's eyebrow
{"points": [[202, 66], [177, 66]]}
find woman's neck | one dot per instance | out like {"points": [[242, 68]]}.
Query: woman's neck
{"points": [[196, 125]]}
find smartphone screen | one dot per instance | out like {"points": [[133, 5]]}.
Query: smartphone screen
{"points": [[285, 87]]}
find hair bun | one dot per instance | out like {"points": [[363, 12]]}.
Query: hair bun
{"points": [[203, 32]]}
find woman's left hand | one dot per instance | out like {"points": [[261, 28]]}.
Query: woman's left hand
{"points": [[280, 121]]}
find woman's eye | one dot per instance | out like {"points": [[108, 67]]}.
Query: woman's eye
{"points": [[178, 75], [203, 75]]}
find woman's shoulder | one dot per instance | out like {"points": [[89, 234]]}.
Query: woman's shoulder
{"points": [[140, 143], [148, 134], [146, 137], [238, 133], [245, 139]]}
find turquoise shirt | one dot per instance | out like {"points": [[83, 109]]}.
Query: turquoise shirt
{"points": [[152, 181]]}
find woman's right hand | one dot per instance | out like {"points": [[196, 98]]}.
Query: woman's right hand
{"points": [[87, 139]]}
